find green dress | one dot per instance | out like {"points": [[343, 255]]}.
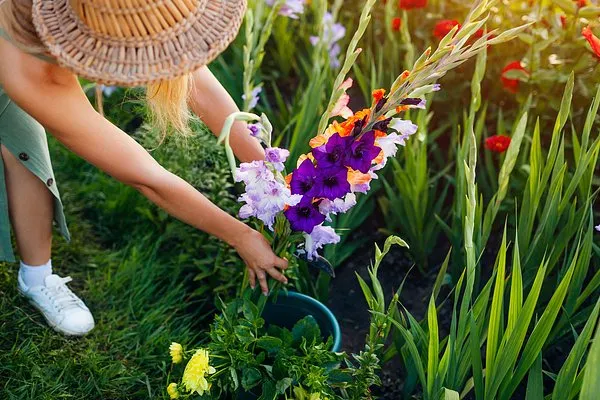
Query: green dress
{"points": [[26, 139]]}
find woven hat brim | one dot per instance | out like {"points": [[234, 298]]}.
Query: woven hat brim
{"points": [[193, 43]]}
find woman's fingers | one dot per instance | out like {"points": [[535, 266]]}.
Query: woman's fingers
{"points": [[262, 279], [252, 277], [277, 275], [281, 263]]}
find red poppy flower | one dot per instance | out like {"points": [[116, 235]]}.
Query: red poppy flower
{"points": [[592, 39], [581, 3], [497, 143], [563, 21], [443, 27], [396, 24], [512, 85], [410, 4]]}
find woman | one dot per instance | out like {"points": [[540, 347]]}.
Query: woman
{"points": [[164, 45]]}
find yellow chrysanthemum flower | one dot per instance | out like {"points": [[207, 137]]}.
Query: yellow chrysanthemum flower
{"points": [[176, 351], [196, 370], [173, 391]]}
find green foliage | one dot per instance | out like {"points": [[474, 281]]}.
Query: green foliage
{"points": [[270, 361]]}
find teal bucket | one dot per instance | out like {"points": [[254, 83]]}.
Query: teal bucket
{"points": [[292, 307]]}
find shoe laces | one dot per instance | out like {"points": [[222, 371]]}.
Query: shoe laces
{"points": [[61, 296]]}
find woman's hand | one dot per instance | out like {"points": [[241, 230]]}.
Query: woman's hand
{"points": [[260, 260]]}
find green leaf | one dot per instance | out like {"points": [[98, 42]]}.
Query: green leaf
{"points": [[591, 384], [307, 328], [250, 378], [269, 391], [433, 348], [269, 343], [451, 394], [540, 332], [496, 311], [516, 289], [568, 372], [511, 344], [282, 385], [535, 381]]}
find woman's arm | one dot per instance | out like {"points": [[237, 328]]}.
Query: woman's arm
{"points": [[211, 102], [52, 95]]}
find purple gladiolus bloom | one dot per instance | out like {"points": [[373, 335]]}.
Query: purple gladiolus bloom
{"points": [[304, 216], [320, 236], [363, 152], [334, 182], [332, 33], [276, 157], [254, 97], [304, 180], [254, 130], [333, 153], [290, 8]]}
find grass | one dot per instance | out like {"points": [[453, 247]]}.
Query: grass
{"points": [[138, 306], [143, 293]]}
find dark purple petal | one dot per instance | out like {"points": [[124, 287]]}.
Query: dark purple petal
{"points": [[380, 104], [382, 125], [333, 153], [304, 216], [304, 179], [358, 126], [410, 101], [334, 182], [363, 152]]}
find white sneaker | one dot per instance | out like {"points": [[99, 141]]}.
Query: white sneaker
{"points": [[63, 310]]}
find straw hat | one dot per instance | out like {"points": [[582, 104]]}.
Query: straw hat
{"points": [[136, 42]]}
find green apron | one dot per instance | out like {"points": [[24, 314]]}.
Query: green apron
{"points": [[26, 139]]}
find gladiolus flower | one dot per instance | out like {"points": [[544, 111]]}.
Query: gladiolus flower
{"points": [[363, 152], [172, 391], [276, 157], [396, 24], [512, 85], [304, 216], [498, 143], [443, 27], [290, 8], [320, 236], [378, 94], [254, 97], [592, 40], [196, 371], [341, 108], [334, 182], [411, 4], [341, 206], [333, 154], [304, 180], [176, 351]]}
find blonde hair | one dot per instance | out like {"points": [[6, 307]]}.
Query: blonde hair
{"points": [[167, 100]]}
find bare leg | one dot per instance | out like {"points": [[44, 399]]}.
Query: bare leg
{"points": [[31, 208]]}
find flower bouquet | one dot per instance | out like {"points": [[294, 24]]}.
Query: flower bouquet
{"points": [[293, 207]]}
